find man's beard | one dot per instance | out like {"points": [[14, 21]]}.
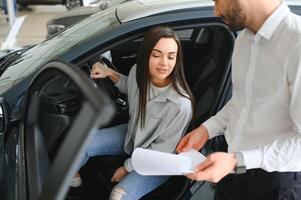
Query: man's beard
{"points": [[235, 18]]}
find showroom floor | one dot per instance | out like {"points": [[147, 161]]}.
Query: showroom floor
{"points": [[33, 29]]}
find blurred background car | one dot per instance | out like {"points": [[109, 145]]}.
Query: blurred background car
{"points": [[66, 19], [68, 3]]}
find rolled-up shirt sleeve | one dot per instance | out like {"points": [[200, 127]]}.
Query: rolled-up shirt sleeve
{"points": [[122, 84], [125, 82], [128, 165], [216, 125]]}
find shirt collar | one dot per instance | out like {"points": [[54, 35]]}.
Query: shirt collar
{"points": [[170, 94], [273, 21]]}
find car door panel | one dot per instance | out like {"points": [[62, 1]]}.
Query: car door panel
{"points": [[48, 171]]}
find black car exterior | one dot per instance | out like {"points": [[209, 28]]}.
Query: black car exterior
{"points": [[49, 107]]}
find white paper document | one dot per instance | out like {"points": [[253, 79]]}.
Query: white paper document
{"points": [[150, 162]]}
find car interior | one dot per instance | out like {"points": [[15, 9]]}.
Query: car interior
{"points": [[207, 53]]}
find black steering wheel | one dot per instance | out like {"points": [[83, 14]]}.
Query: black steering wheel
{"points": [[107, 85]]}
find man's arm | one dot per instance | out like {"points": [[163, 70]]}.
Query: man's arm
{"points": [[217, 124], [283, 154], [214, 126]]}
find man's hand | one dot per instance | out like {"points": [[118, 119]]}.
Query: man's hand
{"points": [[99, 70], [195, 139], [119, 174], [214, 168]]}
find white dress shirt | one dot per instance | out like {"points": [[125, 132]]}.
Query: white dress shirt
{"points": [[263, 118]]}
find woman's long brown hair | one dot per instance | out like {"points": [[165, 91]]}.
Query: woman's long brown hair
{"points": [[179, 82]]}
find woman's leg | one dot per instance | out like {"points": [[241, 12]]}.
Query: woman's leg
{"points": [[135, 186], [107, 141]]}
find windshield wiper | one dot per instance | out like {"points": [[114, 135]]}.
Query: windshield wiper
{"points": [[8, 59], [11, 57]]}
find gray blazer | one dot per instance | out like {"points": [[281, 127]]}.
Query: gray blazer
{"points": [[166, 119]]}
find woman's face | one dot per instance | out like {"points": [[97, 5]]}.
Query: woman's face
{"points": [[162, 61]]}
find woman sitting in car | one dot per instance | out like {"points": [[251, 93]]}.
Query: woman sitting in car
{"points": [[160, 107]]}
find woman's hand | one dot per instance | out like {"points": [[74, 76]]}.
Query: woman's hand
{"points": [[119, 174], [100, 70]]}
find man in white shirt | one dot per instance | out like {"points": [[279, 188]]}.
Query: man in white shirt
{"points": [[262, 120]]}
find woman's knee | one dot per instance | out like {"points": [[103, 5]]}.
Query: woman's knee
{"points": [[117, 193]]}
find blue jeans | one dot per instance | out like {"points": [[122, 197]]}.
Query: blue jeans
{"points": [[110, 141]]}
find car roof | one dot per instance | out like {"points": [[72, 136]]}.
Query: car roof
{"points": [[136, 9]]}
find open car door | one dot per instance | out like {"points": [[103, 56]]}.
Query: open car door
{"points": [[62, 108]]}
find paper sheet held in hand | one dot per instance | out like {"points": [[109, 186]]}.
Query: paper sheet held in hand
{"points": [[150, 162]]}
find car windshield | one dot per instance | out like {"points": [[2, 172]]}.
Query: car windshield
{"points": [[41, 53]]}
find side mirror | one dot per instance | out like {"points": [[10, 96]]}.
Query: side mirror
{"points": [[3, 115]]}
